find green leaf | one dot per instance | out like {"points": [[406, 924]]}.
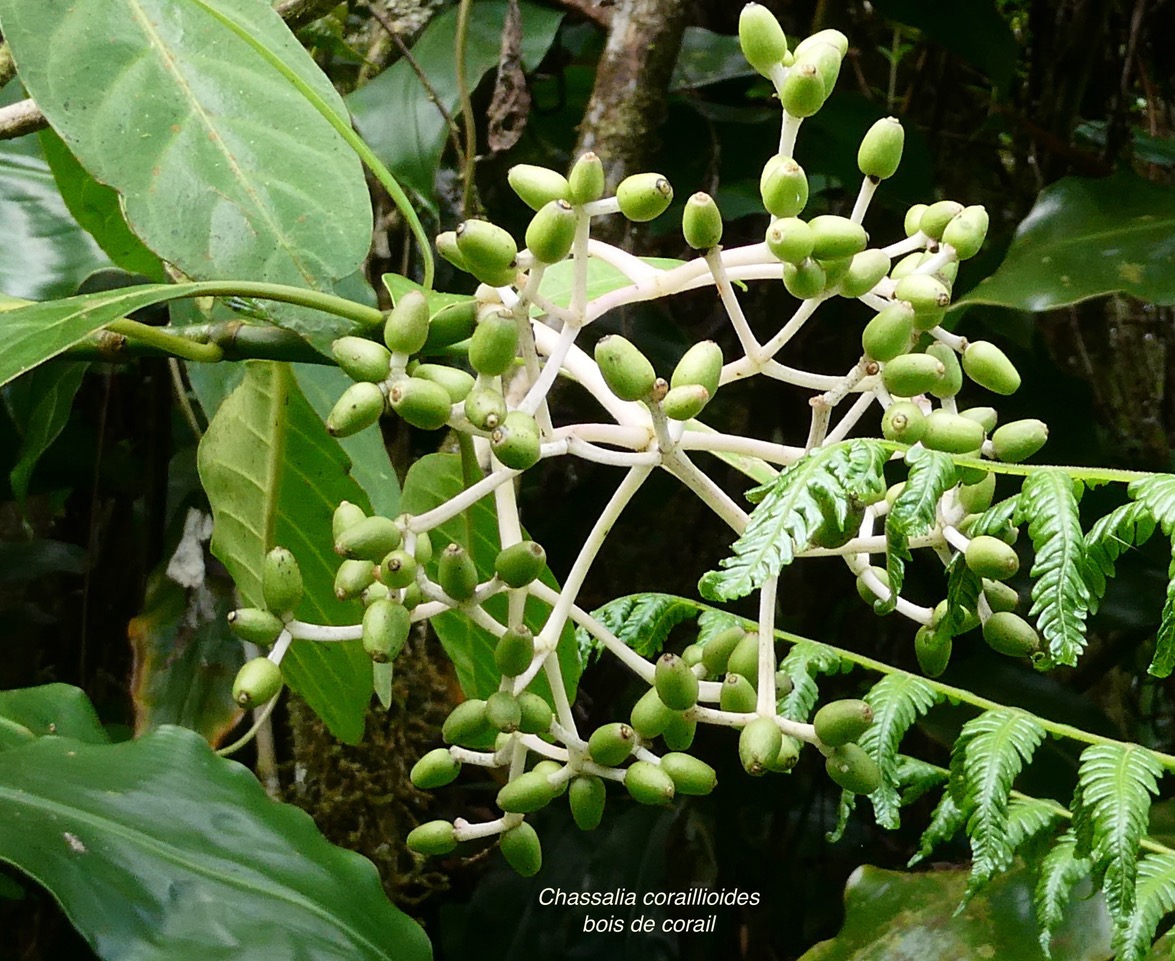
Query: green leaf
{"points": [[1087, 238], [1114, 788], [639, 621], [706, 57], [996, 518], [431, 481], [1156, 898], [147, 94], [274, 477], [1157, 495], [396, 114], [1164, 660], [916, 778], [803, 663], [897, 700], [1028, 818], [39, 404], [559, 279], [932, 474], [29, 713], [156, 848], [947, 820], [819, 486], [1060, 597], [963, 589], [1129, 525], [1060, 871]]}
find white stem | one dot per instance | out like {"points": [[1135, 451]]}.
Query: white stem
{"points": [[601, 208], [421, 523], [956, 538], [850, 419], [744, 446], [864, 196], [542, 384], [788, 131], [734, 309], [611, 458], [634, 438], [579, 255], [632, 267], [464, 831], [791, 328], [954, 341], [707, 491], [303, 631], [907, 246], [766, 699]]}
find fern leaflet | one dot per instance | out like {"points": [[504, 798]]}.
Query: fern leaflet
{"points": [[1030, 817], [1155, 898], [1129, 525], [640, 621], [712, 622], [946, 821], [897, 700], [1060, 871], [1164, 659], [916, 777], [821, 485], [803, 663], [1060, 596], [963, 589], [932, 474], [996, 518], [1157, 494]]}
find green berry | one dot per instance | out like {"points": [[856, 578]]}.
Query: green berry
{"points": [[989, 367], [802, 93], [362, 359], [759, 745], [406, 328], [398, 569], [1000, 597], [538, 186], [909, 375], [865, 270], [737, 695], [976, 498], [966, 232], [372, 539], [1019, 440], [881, 149], [386, 625], [552, 232], [692, 655], [716, 651], [436, 769], [358, 408], [650, 716], [485, 407], [503, 711], [676, 684], [519, 564], [586, 180], [744, 659], [986, 416], [456, 382], [586, 796], [700, 366], [935, 218], [627, 371], [805, 280], [854, 770], [611, 744], [679, 735], [281, 582], [951, 381], [701, 222], [257, 682], [932, 648], [456, 573], [1010, 634], [446, 244], [833, 38], [783, 187], [516, 441], [644, 197], [761, 38], [888, 334], [826, 58], [685, 402], [913, 221], [353, 578], [836, 237], [648, 784], [863, 589], [790, 239], [494, 344], [451, 324], [421, 403], [466, 724], [536, 714], [928, 296], [788, 756], [522, 850], [345, 516], [433, 837], [841, 722], [990, 557], [487, 249], [951, 433], [690, 776]]}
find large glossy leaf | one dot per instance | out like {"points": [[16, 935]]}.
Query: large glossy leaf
{"points": [[39, 404], [274, 476], [158, 849], [431, 481], [225, 170], [1087, 238], [51, 709], [395, 113]]}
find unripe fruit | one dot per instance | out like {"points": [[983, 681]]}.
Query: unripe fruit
{"points": [[421, 403], [962, 619], [386, 625], [359, 407], [538, 186], [679, 735], [353, 578], [806, 280], [362, 359], [951, 381], [406, 328], [456, 573], [626, 370], [536, 714], [610, 744], [451, 324], [951, 433], [865, 592], [503, 711], [685, 402], [906, 266], [888, 334], [586, 796], [519, 564], [281, 582], [516, 441], [485, 407], [701, 222], [966, 232], [690, 776], [648, 784], [909, 375], [257, 682], [433, 837], [650, 716], [744, 659], [487, 249], [737, 695], [759, 744], [446, 244], [701, 365], [790, 239], [457, 383], [835, 237], [552, 232], [398, 569], [1010, 634], [929, 298], [692, 655], [936, 217], [436, 769], [345, 516], [494, 344], [990, 557], [933, 650], [676, 684], [1000, 597], [835, 271], [832, 533], [586, 180], [865, 270], [914, 219], [718, 649], [783, 683], [841, 722], [761, 38], [644, 197], [881, 149], [788, 756], [783, 187], [976, 498], [522, 849], [802, 93], [989, 367], [372, 539], [1019, 440], [854, 770], [827, 60], [833, 38], [466, 724], [422, 549], [986, 416]]}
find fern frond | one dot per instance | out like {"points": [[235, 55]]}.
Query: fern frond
{"points": [[1164, 659], [1157, 494], [791, 508], [897, 700], [915, 778], [803, 663], [1030, 817], [1060, 871], [641, 621], [946, 821], [1060, 596], [993, 520], [989, 753], [1155, 898], [963, 589], [844, 810], [712, 623], [1129, 525], [1115, 785], [932, 474]]}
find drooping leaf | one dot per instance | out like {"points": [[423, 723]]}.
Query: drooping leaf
{"points": [[963, 589], [274, 477], [62, 710], [1060, 871], [803, 663], [1157, 495], [932, 474], [1155, 898], [1164, 660], [640, 621], [156, 848], [1029, 818], [916, 777], [712, 622], [947, 820], [897, 700], [1126, 526], [995, 518], [39, 404]]}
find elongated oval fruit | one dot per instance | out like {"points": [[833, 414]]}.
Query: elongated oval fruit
{"points": [[457, 383], [802, 93], [790, 239], [906, 266], [1019, 440], [466, 724], [717, 650], [928, 296], [806, 280], [865, 592], [257, 682], [372, 539], [650, 716], [744, 659], [888, 334], [586, 796], [359, 406], [516, 441], [913, 220], [692, 655], [827, 60], [854, 770], [538, 186], [783, 187], [737, 695], [485, 407], [432, 837], [436, 769], [685, 402], [676, 684], [976, 498], [830, 36], [836, 269], [701, 222], [788, 756], [421, 403], [935, 218], [281, 582], [627, 371], [1010, 634], [1000, 597], [586, 180], [519, 564], [865, 270], [549, 769], [835, 237], [362, 359], [486, 248], [987, 416], [841, 722], [933, 649], [690, 776], [406, 328], [644, 197], [456, 573], [989, 367], [552, 232], [966, 232], [522, 850], [610, 744], [398, 569], [701, 365], [446, 244], [451, 324], [881, 149], [951, 433], [909, 375], [353, 578], [951, 380], [386, 625], [990, 557], [494, 344], [679, 735], [761, 38], [759, 744], [536, 714], [648, 784], [345, 516], [503, 711]]}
